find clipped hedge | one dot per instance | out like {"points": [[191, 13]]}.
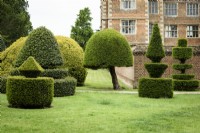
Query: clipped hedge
{"points": [[29, 92], [55, 73], [155, 88], [182, 67], [182, 53], [183, 76], [2, 44], [64, 87], [185, 85], [3, 84], [182, 42], [156, 70], [79, 73]]}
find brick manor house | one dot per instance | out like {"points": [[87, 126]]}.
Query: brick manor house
{"points": [[135, 19]]}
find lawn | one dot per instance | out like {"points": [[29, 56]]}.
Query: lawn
{"points": [[91, 112]]}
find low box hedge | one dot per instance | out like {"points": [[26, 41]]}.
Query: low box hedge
{"points": [[29, 92], [183, 76], [155, 88], [64, 87], [155, 70], [185, 85], [55, 73]]}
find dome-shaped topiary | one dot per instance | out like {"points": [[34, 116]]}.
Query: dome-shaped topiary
{"points": [[71, 52], [42, 45], [2, 44]]}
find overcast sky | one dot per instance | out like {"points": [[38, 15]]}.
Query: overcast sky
{"points": [[59, 15]]}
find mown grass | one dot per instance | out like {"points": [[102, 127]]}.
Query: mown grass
{"points": [[91, 112]]}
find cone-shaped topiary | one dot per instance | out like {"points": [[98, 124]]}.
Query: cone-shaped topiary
{"points": [[31, 68], [107, 49], [42, 45], [155, 51]]}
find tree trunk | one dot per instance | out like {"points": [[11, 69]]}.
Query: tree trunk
{"points": [[114, 78]]}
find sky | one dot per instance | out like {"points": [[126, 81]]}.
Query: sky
{"points": [[59, 15]]}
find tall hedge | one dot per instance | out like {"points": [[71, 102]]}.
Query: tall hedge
{"points": [[42, 45]]}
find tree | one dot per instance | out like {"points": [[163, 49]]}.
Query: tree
{"points": [[107, 49], [82, 30], [14, 20]]}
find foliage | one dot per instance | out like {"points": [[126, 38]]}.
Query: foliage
{"points": [[155, 70], [71, 52], [79, 73], [107, 48], [82, 30], [30, 92], [9, 55], [182, 53], [2, 44], [183, 76], [185, 85], [64, 87], [15, 20], [155, 88], [42, 45], [182, 42], [55, 73], [3, 81], [155, 51], [182, 67]]}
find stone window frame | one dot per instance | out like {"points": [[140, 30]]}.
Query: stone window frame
{"points": [[150, 30], [193, 10], [192, 32], [153, 8], [170, 32], [168, 11], [129, 4], [128, 27]]}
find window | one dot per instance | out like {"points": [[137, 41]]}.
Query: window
{"points": [[170, 31], [192, 9], [153, 7], [170, 9], [128, 4], [192, 31], [128, 27], [150, 30]]}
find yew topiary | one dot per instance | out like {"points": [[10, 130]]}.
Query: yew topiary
{"points": [[2, 44]]}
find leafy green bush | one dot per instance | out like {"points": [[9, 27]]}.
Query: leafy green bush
{"points": [[107, 48], [30, 92], [182, 53], [64, 87], [55, 73], [79, 73], [155, 51], [182, 67], [155, 88], [185, 85], [71, 52], [156, 70], [182, 42], [3, 84], [15, 72], [183, 76], [2, 44], [42, 45]]}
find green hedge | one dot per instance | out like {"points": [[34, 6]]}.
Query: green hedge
{"points": [[182, 67], [182, 42], [79, 73], [156, 70], [182, 53], [30, 92], [185, 85], [3, 84], [55, 73], [155, 88], [183, 76], [64, 87]]}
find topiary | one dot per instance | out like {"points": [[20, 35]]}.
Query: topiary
{"points": [[2, 44], [107, 49], [55, 73], [155, 70], [71, 52], [3, 81], [79, 73], [42, 45]]}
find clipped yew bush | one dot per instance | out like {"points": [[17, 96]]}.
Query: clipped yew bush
{"points": [[2, 44], [108, 49], [155, 86], [78, 73], [3, 81], [42, 45], [55, 73]]}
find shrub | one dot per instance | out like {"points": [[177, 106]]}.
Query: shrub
{"points": [[42, 45], [55, 73], [155, 88], [183, 76], [64, 87], [71, 52], [182, 42], [185, 85], [79, 73], [3, 84], [156, 70], [182, 54], [2, 44], [182, 67], [15, 72], [155, 51], [30, 92]]}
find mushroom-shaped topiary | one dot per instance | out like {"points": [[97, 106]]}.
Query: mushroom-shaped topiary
{"points": [[31, 68], [42, 45], [107, 49]]}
